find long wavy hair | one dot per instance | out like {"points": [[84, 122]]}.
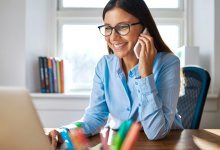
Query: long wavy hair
{"points": [[139, 9]]}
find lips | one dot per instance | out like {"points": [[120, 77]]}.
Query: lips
{"points": [[118, 46]]}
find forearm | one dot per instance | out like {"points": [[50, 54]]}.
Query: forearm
{"points": [[153, 120], [157, 111]]}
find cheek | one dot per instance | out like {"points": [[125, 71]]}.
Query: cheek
{"points": [[107, 39]]}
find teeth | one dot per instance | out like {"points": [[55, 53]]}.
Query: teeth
{"points": [[118, 45]]}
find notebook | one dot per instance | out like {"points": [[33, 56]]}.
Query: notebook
{"points": [[20, 127]]}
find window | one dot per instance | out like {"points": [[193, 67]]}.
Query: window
{"points": [[81, 44], [102, 3]]}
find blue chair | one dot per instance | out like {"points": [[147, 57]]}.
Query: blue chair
{"points": [[191, 103]]}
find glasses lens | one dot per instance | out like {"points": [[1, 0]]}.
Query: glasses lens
{"points": [[105, 30], [123, 29]]}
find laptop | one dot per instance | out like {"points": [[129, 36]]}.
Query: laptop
{"points": [[20, 127]]}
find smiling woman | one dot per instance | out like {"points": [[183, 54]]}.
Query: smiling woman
{"points": [[78, 26], [144, 89]]}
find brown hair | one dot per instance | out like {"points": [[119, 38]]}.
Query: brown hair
{"points": [[139, 9]]}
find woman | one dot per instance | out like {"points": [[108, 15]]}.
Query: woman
{"points": [[124, 87]]}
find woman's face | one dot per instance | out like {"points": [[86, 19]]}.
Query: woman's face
{"points": [[122, 46]]}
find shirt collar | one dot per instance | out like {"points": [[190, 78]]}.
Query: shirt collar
{"points": [[119, 70], [118, 67], [133, 72]]}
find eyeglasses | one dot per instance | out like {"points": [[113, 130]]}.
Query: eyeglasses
{"points": [[121, 28]]}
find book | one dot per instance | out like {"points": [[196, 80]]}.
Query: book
{"points": [[51, 71], [50, 74], [58, 75], [54, 65], [46, 74], [41, 71], [62, 75]]}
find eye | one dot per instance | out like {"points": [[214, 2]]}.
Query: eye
{"points": [[108, 28], [123, 27]]}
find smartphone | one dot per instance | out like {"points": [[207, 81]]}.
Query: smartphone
{"points": [[137, 47]]}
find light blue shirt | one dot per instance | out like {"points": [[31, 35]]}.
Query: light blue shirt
{"points": [[151, 100]]}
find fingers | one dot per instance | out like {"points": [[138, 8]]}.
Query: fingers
{"points": [[147, 55], [149, 42], [55, 137], [60, 140], [145, 43], [142, 52], [52, 134]]}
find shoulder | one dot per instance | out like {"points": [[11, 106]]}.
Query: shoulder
{"points": [[166, 63], [107, 62], [166, 59], [106, 66]]}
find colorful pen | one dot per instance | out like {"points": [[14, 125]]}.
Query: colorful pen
{"points": [[120, 136], [65, 136], [79, 139], [131, 136]]}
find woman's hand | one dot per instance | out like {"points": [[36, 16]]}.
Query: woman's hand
{"points": [[55, 138], [147, 55]]}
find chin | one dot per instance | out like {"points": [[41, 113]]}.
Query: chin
{"points": [[120, 54]]}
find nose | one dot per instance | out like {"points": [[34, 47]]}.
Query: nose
{"points": [[115, 35]]}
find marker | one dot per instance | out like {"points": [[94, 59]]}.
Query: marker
{"points": [[79, 139], [123, 130], [78, 124], [65, 136], [131, 136]]}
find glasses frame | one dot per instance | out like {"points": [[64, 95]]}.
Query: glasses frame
{"points": [[129, 26]]}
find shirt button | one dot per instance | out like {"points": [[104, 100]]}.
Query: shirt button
{"points": [[136, 83], [139, 91], [131, 75], [139, 105], [128, 109]]}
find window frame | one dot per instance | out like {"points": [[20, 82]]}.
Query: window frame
{"points": [[60, 7]]}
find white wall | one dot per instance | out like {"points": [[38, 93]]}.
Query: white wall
{"points": [[12, 43], [36, 39], [217, 44], [206, 35], [25, 34]]}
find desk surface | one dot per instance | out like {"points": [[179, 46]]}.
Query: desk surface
{"points": [[177, 139]]}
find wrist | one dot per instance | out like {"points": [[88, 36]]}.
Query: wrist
{"points": [[64, 128], [71, 127]]}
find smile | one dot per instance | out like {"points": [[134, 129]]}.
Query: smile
{"points": [[119, 46]]}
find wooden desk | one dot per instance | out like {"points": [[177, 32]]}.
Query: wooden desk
{"points": [[177, 139]]}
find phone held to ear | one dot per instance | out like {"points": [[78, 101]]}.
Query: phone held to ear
{"points": [[137, 47]]}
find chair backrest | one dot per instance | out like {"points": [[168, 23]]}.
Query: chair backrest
{"points": [[191, 103]]}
